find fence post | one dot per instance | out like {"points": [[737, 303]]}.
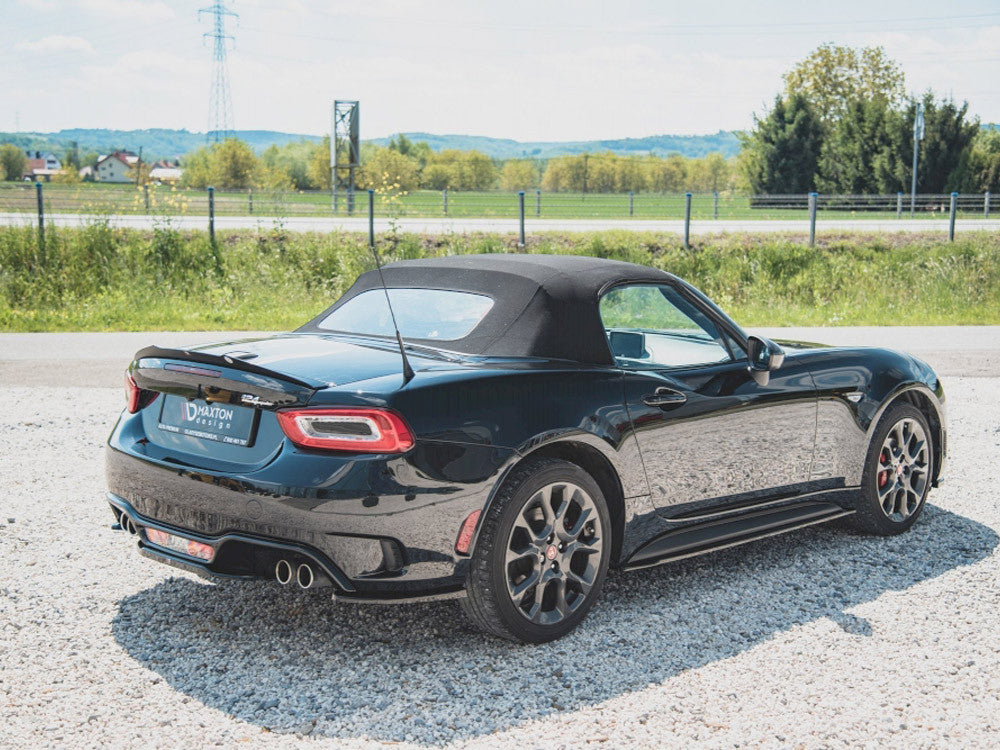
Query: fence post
{"points": [[371, 217], [538, 203], [951, 217], [687, 221], [444, 193], [812, 218], [520, 210], [630, 199], [250, 200], [899, 205], [145, 195], [986, 205], [41, 216], [715, 204], [211, 215]]}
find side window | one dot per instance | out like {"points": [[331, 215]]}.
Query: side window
{"points": [[654, 326]]}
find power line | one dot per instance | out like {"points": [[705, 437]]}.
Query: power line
{"points": [[220, 103]]}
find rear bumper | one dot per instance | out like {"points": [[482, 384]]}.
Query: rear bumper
{"points": [[379, 528]]}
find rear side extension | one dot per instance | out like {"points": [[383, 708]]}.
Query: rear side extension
{"points": [[720, 533]]}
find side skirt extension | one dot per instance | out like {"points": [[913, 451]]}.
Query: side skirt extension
{"points": [[719, 534]]}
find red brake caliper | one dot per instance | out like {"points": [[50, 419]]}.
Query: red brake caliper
{"points": [[883, 476]]}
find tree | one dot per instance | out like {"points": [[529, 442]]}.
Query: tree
{"points": [[230, 165], [708, 174], [72, 158], [388, 171], [630, 176], [944, 150], [319, 165], [667, 175], [234, 165], [288, 165], [566, 174], [832, 77], [982, 170], [519, 174], [420, 151], [783, 149], [13, 162], [197, 168], [858, 155], [459, 170]]}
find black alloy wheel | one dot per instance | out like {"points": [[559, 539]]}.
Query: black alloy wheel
{"points": [[542, 553], [897, 474]]}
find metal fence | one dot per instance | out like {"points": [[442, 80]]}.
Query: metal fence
{"points": [[106, 199], [159, 200]]}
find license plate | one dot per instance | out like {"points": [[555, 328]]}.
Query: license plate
{"points": [[223, 423]]}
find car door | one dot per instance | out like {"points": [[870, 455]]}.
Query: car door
{"points": [[709, 435]]}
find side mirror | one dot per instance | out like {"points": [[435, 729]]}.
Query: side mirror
{"points": [[764, 356]]}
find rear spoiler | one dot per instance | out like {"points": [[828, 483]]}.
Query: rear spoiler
{"points": [[241, 383]]}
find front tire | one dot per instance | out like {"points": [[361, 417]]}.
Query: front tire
{"points": [[897, 475], [542, 554]]}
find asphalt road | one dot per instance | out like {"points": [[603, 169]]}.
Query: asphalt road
{"points": [[98, 359], [469, 225]]}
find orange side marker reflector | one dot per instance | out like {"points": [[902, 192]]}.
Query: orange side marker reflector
{"points": [[466, 533]]}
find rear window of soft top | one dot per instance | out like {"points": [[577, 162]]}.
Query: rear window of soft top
{"points": [[439, 314]]}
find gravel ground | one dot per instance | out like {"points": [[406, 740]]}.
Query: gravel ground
{"points": [[816, 639]]}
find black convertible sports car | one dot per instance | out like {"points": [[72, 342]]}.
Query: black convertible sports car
{"points": [[541, 419]]}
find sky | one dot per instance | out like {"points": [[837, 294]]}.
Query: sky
{"points": [[521, 69]]}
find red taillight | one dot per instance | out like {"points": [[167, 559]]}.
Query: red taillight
{"points": [[357, 430], [135, 397], [132, 394], [466, 532]]}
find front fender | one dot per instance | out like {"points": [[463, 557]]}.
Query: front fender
{"points": [[855, 387]]}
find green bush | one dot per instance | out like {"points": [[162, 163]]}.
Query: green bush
{"points": [[103, 278]]}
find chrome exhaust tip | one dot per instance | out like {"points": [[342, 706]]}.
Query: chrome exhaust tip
{"points": [[304, 575], [283, 572], [127, 524]]}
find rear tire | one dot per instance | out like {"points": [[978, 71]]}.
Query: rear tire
{"points": [[897, 474], [542, 554]]}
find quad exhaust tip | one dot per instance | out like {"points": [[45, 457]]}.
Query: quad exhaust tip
{"points": [[283, 572], [304, 575]]}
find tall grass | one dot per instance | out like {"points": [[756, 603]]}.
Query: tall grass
{"points": [[102, 278]]}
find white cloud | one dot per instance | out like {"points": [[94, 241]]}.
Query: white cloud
{"points": [[57, 43], [146, 10], [39, 4]]}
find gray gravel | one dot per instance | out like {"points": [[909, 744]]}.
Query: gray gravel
{"points": [[820, 638]]}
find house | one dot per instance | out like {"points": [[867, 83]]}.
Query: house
{"points": [[115, 167], [166, 171], [41, 166]]}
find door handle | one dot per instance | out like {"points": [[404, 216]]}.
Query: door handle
{"points": [[664, 397]]}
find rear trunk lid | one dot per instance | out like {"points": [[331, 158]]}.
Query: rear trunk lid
{"points": [[214, 405]]}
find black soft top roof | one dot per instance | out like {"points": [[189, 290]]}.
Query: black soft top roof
{"points": [[544, 305]]}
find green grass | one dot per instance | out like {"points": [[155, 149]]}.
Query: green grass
{"points": [[106, 198], [102, 278]]}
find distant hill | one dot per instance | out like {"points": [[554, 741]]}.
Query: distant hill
{"points": [[725, 142], [157, 143]]}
